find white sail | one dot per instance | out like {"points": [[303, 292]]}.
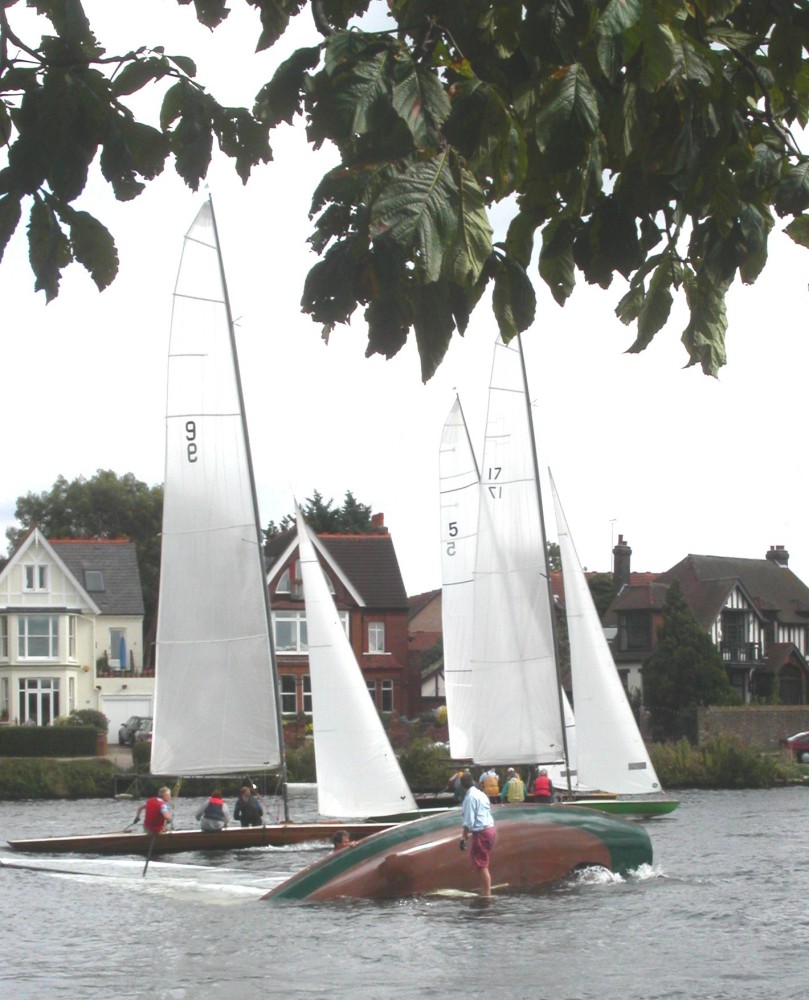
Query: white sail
{"points": [[358, 774], [215, 700], [611, 754], [460, 493], [517, 714]]}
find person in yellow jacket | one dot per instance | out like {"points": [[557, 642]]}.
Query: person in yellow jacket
{"points": [[514, 788], [490, 784]]}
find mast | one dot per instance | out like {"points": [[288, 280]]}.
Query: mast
{"points": [[259, 540], [554, 630]]}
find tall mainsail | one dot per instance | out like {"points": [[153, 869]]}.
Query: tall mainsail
{"points": [[358, 774], [611, 753], [460, 502], [215, 696], [517, 709]]}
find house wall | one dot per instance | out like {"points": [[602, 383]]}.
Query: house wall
{"points": [[428, 618], [754, 725]]}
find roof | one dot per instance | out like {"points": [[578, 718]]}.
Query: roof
{"points": [[116, 559], [707, 580], [420, 601]]}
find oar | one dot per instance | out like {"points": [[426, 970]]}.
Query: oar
{"points": [[149, 853]]}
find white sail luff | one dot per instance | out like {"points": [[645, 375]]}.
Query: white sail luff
{"points": [[611, 754], [358, 774], [215, 701], [460, 493], [517, 708]]}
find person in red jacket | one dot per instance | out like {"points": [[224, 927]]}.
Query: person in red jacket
{"points": [[543, 787], [157, 812]]}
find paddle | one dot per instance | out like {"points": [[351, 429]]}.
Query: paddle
{"points": [[152, 839]]}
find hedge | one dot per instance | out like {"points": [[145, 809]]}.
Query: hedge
{"points": [[48, 741]]}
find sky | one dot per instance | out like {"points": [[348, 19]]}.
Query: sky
{"points": [[639, 445]]}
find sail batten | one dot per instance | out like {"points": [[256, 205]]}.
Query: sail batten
{"points": [[215, 700]]}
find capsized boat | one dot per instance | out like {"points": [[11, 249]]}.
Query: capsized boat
{"points": [[535, 846]]}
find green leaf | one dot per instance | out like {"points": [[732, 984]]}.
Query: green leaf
{"points": [[704, 337], [188, 66], [48, 249], [93, 247], [280, 99], [556, 265], [419, 99], [754, 226], [10, 211], [172, 105], [792, 196], [433, 322], [798, 230], [472, 246], [137, 74], [656, 308], [513, 299], [211, 13], [567, 118]]}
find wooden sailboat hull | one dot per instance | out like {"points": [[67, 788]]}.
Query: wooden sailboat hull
{"points": [[176, 841], [535, 845], [631, 807]]}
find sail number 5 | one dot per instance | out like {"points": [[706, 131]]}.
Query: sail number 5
{"points": [[191, 440], [453, 532]]}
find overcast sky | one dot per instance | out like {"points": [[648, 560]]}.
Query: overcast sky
{"points": [[674, 461]]}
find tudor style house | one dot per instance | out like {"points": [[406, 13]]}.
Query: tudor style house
{"points": [[71, 631], [755, 610], [363, 575]]}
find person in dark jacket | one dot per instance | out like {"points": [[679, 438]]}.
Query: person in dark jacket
{"points": [[248, 810], [214, 815]]}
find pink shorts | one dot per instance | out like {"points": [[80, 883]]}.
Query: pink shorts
{"points": [[482, 845]]}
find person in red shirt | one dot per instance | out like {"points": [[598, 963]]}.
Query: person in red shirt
{"points": [[156, 811]]}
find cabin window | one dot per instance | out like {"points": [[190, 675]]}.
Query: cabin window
{"points": [[387, 696], [35, 578], [39, 700], [3, 637], [94, 581], [290, 632], [635, 631], [38, 637], [376, 637], [307, 694], [289, 700]]}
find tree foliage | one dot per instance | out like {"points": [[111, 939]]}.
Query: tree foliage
{"points": [[353, 518], [651, 139], [685, 671], [106, 506]]}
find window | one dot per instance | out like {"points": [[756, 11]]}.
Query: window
{"points": [[39, 700], [4, 705], [118, 648], [71, 637], [635, 631], [307, 694], [3, 637], [35, 577], [93, 581], [372, 690], [38, 637], [290, 631], [284, 584], [387, 696], [289, 698], [376, 637]]}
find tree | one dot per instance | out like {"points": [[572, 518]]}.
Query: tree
{"points": [[684, 672], [106, 506], [353, 518], [650, 139]]}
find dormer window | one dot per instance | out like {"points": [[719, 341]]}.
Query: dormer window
{"points": [[94, 581], [35, 578], [284, 583]]}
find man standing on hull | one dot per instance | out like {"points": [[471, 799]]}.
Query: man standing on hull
{"points": [[479, 825]]}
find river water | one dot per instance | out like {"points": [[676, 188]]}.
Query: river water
{"points": [[721, 915]]}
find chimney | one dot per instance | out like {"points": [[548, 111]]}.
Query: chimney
{"points": [[378, 524], [621, 556], [779, 555]]}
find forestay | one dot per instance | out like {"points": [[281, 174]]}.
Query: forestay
{"points": [[460, 493], [358, 774], [215, 702], [611, 754], [517, 712]]}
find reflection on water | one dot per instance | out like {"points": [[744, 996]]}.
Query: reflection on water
{"points": [[718, 916]]}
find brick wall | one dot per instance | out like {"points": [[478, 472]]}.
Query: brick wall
{"points": [[755, 725]]}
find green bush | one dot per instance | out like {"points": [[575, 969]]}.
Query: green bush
{"points": [[425, 766], [85, 717], [721, 762], [48, 741], [25, 778], [142, 757], [301, 763]]}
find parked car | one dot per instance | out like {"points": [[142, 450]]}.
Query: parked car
{"points": [[143, 734], [127, 730], [798, 745]]}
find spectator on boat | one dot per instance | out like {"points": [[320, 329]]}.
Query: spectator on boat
{"points": [[248, 809], [489, 782], [341, 840], [479, 826], [214, 815], [514, 788], [543, 787], [156, 809]]}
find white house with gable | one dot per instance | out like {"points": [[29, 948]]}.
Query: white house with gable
{"points": [[71, 631]]}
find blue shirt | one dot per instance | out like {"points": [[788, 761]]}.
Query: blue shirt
{"points": [[476, 811]]}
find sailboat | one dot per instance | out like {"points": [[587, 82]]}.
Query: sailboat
{"points": [[358, 774]]}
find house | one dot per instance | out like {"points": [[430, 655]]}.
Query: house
{"points": [[364, 578], [755, 610], [71, 631], [425, 653]]}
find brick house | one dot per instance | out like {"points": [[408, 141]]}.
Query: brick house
{"points": [[364, 578], [424, 635]]}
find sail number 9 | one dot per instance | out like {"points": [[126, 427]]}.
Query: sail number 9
{"points": [[191, 440]]}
